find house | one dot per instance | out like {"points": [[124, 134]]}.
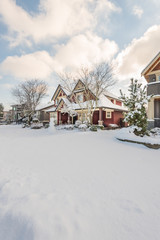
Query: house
{"points": [[152, 75], [107, 109], [17, 112]]}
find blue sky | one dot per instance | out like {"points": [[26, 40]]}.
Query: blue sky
{"points": [[41, 37]]}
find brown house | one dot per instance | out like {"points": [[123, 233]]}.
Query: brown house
{"points": [[152, 75], [105, 110]]}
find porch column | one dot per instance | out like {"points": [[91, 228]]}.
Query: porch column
{"points": [[150, 113], [60, 120], [69, 119], [100, 121]]}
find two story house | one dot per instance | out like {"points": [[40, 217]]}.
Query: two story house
{"points": [[107, 109], [152, 75]]}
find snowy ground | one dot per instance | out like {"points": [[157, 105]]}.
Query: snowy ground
{"points": [[77, 186]]}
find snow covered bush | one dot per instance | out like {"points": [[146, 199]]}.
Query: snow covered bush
{"points": [[36, 125], [93, 128], [155, 131], [113, 126], [136, 103], [86, 122], [69, 127], [83, 127], [78, 123]]}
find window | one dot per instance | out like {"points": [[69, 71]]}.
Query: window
{"points": [[108, 115], [158, 78], [80, 97]]}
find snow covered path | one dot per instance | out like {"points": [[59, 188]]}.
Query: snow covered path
{"points": [[77, 186]]}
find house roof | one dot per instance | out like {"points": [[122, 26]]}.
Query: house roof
{"points": [[45, 106], [106, 103], [150, 64], [52, 109], [103, 102], [57, 91], [111, 95]]}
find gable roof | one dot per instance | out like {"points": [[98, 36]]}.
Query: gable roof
{"points": [[65, 100], [79, 81], [151, 63], [58, 89]]}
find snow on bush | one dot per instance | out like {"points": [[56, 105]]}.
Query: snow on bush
{"points": [[93, 128], [69, 127], [86, 122], [83, 127], [78, 123], [36, 125], [113, 125]]}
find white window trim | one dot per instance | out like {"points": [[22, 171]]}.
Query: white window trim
{"points": [[110, 114]]}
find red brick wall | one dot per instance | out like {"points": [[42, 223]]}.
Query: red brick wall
{"points": [[107, 121], [117, 116], [118, 103]]}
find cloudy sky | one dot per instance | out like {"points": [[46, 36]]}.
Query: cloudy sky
{"points": [[41, 37]]}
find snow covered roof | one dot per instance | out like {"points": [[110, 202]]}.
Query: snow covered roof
{"points": [[150, 63], [111, 95], [44, 106], [106, 103], [66, 92], [52, 109], [103, 102]]}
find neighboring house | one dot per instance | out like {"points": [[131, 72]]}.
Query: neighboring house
{"points": [[7, 115], [1, 116], [42, 113], [152, 75], [108, 109], [17, 112]]}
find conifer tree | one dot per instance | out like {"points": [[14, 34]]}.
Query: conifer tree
{"points": [[136, 103]]}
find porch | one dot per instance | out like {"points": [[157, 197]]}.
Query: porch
{"points": [[100, 117], [154, 112]]}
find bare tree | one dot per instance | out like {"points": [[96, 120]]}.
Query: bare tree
{"points": [[29, 94], [96, 81]]}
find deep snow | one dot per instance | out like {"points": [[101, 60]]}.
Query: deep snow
{"points": [[70, 185]]}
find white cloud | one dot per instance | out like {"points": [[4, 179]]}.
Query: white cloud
{"points": [[35, 65], [55, 19], [138, 11], [131, 61], [80, 50], [84, 49]]}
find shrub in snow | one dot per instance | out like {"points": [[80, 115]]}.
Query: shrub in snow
{"points": [[113, 126], [78, 123], [100, 127], [69, 127], [35, 120], [83, 127], [136, 103], [93, 128], [36, 125], [155, 131], [86, 122]]}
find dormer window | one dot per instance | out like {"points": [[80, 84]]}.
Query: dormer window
{"points": [[80, 97]]}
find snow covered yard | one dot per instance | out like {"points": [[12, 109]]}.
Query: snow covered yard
{"points": [[77, 186]]}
